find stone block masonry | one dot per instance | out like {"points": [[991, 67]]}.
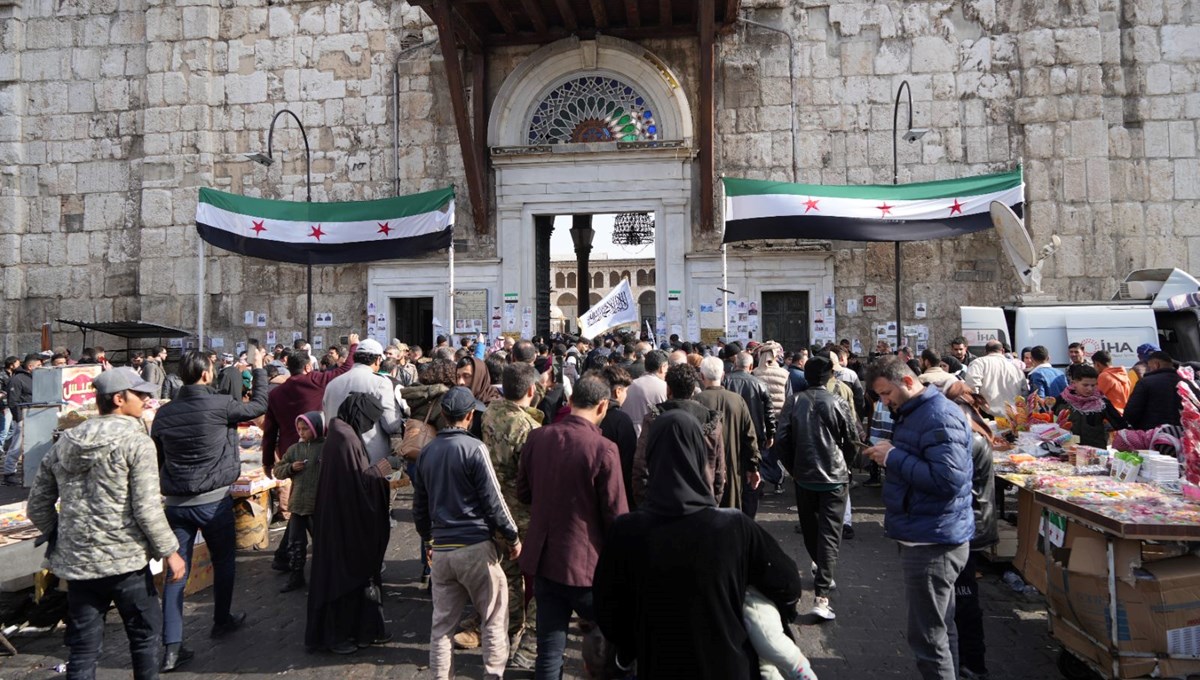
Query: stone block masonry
{"points": [[114, 112]]}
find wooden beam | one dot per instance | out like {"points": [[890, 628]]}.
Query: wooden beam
{"points": [[535, 15], [632, 17], [707, 112], [503, 15], [586, 33], [479, 107], [469, 20], [665, 16], [440, 12], [470, 40], [599, 14], [731, 16], [568, 15]]}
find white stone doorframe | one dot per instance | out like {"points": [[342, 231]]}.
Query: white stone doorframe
{"points": [[594, 184]]}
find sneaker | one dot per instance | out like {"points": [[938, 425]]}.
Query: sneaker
{"points": [[381, 640], [847, 531], [467, 639], [822, 610], [12, 479], [778, 489], [346, 647]]}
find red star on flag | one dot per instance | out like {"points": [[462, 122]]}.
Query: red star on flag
{"points": [[956, 208], [811, 204], [317, 233], [384, 229], [885, 208], [258, 227]]}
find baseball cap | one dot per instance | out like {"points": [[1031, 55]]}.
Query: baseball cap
{"points": [[370, 347], [458, 402], [1145, 350], [121, 379]]}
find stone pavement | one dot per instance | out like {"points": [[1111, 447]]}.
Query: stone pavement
{"points": [[865, 641]]}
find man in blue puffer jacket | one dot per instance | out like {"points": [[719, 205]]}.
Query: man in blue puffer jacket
{"points": [[928, 502]]}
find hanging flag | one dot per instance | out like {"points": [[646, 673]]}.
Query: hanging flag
{"points": [[756, 209], [614, 309], [327, 233]]}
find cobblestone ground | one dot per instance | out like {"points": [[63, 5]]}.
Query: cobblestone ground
{"points": [[865, 641]]}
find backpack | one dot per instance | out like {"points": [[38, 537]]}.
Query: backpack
{"points": [[171, 386], [416, 436]]}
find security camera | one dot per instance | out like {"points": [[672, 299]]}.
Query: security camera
{"points": [[914, 134]]}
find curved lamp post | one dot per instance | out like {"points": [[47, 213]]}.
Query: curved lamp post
{"points": [[912, 135], [267, 159]]}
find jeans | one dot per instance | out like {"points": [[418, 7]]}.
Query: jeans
{"points": [[299, 527], [929, 575], [137, 602], [821, 514], [410, 469], [472, 574], [555, 604], [769, 468], [968, 618], [215, 522], [6, 422], [12, 454]]}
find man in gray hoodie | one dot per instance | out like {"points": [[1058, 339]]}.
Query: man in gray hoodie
{"points": [[111, 524]]}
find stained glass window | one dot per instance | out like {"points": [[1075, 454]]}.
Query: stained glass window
{"points": [[593, 108]]}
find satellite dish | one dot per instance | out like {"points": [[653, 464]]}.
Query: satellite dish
{"points": [[1018, 247]]}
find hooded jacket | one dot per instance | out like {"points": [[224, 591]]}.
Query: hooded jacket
{"points": [[20, 391], [111, 520], [303, 499], [711, 424], [1113, 383]]}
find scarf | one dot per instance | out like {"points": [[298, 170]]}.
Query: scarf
{"points": [[677, 457], [360, 411], [1092, 404], [481, 383]]}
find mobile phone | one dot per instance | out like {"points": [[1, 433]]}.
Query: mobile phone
{"points": [[251, 354]]}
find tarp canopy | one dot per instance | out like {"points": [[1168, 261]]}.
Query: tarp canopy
{"points": [[128, 329], [757, 209], [327, 233]]}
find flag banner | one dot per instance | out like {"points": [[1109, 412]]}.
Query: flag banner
{"points": [[615, 309], [756, 209], [327, 233]]}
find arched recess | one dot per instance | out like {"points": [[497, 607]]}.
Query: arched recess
{"points": [[560, 280], [551, 66], [598, 280], [614, 279], [567, 301], [572, 282]]}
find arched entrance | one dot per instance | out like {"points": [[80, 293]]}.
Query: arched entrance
{"points": [[590, 127]]}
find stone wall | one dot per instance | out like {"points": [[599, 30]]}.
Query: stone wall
{"points": [[114, 112]]}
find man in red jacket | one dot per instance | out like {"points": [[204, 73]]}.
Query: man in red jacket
{"points": [[298, 395], [570, 476]]}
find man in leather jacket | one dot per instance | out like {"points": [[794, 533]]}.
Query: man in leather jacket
{"points": [[815, 441]]}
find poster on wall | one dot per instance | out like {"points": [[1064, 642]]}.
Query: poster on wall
{"points": [[496, 327], [470, 311], [919, 311], [510, 312], [712, 306], [271, 339], [527, 322], [674, 308], [660, 327]]}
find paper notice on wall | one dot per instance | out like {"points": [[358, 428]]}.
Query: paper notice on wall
{"points": [[856, 346], [527, 322], [852, 306], [919, 310], [510, 312], [248, 318], [660, 327], [271, 339], [674, 308], [496, 327], [323, 319], [318, 343], [261, 320], [239, 349], [296, 335]]}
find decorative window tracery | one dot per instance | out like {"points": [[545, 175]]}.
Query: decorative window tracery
{"points": [[592, 108]]}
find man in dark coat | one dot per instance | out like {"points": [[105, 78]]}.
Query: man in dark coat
{"points": [[1155, 398], [20, 391], [741, 441], [570, 476], [762, 411]]}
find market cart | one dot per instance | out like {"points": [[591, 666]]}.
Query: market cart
{"points": [[1122, 588]]}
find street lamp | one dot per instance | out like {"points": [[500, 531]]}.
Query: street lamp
{"points": [[912, 135], [266, 160]]}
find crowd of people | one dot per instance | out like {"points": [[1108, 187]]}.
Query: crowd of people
{"points": [[557, 477]]}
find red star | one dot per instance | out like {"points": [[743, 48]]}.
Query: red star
{"points": [[885, 208], [811, 204], [258, 227], [317, 233], [956, 208], [384, 229]]}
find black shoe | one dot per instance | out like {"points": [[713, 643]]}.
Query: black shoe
{"points": [[12, 479], [381, 640], [346, 647], [295, 582], [175, 656], [873, 482], [222, 629], [280, 566], [847, 531]]}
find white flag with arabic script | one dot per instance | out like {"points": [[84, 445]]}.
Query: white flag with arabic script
{"points": [[615, 309]]}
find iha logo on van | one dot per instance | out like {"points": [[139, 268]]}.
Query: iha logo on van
{"points": [[1091, 346]]}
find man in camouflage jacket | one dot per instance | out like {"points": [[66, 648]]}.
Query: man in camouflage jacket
{"points": [[506, 424], [110, 525]]}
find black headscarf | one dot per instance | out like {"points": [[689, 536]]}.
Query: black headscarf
{"points": [[677, 458], [360, 411]]}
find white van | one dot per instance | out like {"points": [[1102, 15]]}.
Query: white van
{"points": [[1139, 314]]}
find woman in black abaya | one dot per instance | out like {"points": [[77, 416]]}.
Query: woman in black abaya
{"points": [[350, 535], [680, 558]]}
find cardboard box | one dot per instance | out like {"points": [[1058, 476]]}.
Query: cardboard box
{"points": [[1029, 558], [201, 574], [1158, 606]]}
